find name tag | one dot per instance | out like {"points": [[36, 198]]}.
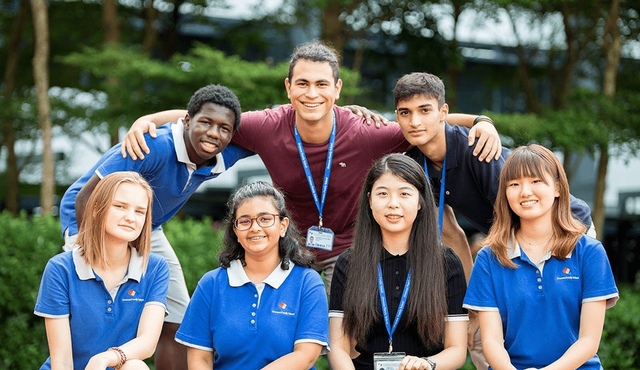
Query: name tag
{"points": [[320, 237], [387, 361]]}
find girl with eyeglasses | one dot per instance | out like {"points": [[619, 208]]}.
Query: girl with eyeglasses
{"points": [[264, 308], [541, 286]]}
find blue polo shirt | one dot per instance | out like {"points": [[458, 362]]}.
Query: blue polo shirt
{"points": [[540, 304], [99, 318], [249, 326], [471, 186], [167, 168]]}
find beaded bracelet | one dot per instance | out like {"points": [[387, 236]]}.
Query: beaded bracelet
{"points": [[123, 357]]}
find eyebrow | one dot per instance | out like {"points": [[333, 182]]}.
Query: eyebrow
{"points": [[305, 80], [419, 106]]}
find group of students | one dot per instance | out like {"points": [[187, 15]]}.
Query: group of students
{"points": [[398, 294]]}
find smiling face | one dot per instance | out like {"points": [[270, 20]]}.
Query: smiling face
{"points": [[260, 242], [313, 91], [394, 204], [421, 120], [208, 132], [126, 214], [532, 198]]}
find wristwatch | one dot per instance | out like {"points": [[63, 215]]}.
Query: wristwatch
{"points": [[431, 363]]}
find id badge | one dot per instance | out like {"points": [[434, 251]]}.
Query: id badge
{"points": [[387, 361], [320, 237]]}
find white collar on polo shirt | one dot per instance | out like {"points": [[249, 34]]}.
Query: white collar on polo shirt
{"points": [[85, 272], [238, 277]]}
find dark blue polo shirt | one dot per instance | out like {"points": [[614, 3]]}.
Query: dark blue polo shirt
{"points": [[471, 186]]}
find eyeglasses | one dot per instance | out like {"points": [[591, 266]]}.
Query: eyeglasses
{"points": [[264, 220]]}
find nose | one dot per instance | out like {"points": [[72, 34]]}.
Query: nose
{"points": [[393, 201], [525, 189], [254, 225], [129, 215], [214, 131], [312, 91], [414, 121]]}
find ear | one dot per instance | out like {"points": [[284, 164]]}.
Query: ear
{"points": [[338, 88], [284, 225], [287, 85], [187, 120], [444, 110]]}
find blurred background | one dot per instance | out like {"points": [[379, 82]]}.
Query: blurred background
{"points": [[77, 73]]}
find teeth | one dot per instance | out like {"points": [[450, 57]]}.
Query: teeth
{"points": [[256, 238], [312, 105], [208, 146], [529, 203]]}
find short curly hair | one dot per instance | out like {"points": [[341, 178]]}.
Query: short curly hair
{"points": [[216, 94]]}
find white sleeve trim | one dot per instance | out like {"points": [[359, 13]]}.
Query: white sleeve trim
{"points": [[337, 314], [611, 299], [325, 346], [156, 303], [457, 317], [193, 345], [480, 308], [42, 314]]}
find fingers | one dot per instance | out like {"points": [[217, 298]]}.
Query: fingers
{"points": [[471, 138], [479, 151], [414, 363]]}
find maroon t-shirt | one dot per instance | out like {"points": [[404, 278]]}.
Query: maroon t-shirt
{"points": [[270, 134]]}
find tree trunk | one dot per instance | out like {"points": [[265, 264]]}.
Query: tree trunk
{"points": [[333, 27], [612, 47], [10, 73], [601, 185], [41, 78], [111, 38], [150, 32]]}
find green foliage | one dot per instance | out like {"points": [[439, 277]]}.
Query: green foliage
{"points": [[197, 245], [620, 344], [146, 85], [591, 121], [27, 244]]}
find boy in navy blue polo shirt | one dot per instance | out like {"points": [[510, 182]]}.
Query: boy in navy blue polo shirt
{"points": [[470, 186], [185, 154]]}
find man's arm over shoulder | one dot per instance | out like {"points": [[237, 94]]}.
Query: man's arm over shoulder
{"points": [[256, 127]]}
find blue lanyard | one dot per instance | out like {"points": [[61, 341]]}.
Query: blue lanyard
{"points": [[385, 308], [327, 169], [441, 202]]}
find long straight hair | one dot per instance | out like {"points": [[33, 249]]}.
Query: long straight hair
{"points": [[539, 162], [427, 304], [289, 246], [92, 235]]}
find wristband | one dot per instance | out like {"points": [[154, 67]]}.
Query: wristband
{"points": [[482, 118], [123, 357]]}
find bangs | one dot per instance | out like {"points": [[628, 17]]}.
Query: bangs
{"points": [[526, 163]]}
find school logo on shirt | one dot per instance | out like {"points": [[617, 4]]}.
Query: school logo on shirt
{"points": [[132, 293], [567, 275], [283, 310]]}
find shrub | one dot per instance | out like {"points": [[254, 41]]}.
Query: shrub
{"points": [[620, 344], [27, 244], [197, 244]]}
